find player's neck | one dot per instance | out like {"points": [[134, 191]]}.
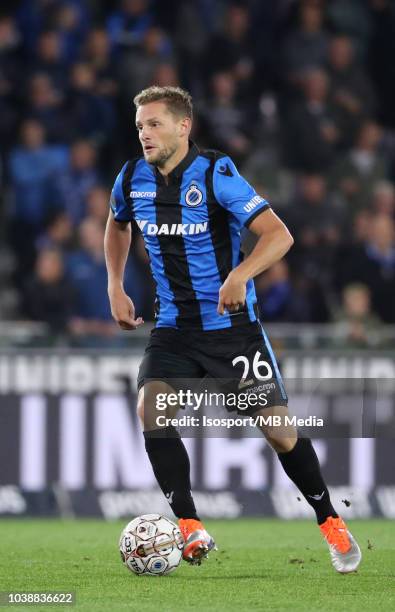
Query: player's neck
{"points": [[175, 159]]}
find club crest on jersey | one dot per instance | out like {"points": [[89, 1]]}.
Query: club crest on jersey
{"points": [[193, 196]]}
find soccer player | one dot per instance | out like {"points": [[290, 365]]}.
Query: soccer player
{"points": [[190, 206]]}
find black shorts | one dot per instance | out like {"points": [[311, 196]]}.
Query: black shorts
{"points": [[238, 360]]}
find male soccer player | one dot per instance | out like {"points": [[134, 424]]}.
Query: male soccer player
{"points": [[190, 206]]}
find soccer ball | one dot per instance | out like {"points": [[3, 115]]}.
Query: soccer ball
{"points": [[152, 545]]}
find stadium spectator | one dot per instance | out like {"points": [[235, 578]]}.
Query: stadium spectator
{"points": [[58, 233], [232, 49], [33, 17], [45, 104], [311, 130], [356, 326], [137, 66], [317, 218], [78, 179], [315, 215], [97, 204], [373, 264], [227, 120], [90, 115], [263, 166], [355, 237], [305, 47], [191, 35], [351, 90], [383, 201], [49, 59], [127, 25], [34, 167], [352, 18], [10, 50], [278, 300], [97, 53], [48, 296], [165, 74], [361, 227], [86, 272], [9, 68], [71, 19], [358, 171]]}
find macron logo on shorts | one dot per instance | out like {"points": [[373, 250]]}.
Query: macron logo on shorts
{"points": [[171, 229]]}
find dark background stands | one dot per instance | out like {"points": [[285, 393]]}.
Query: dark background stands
{"points": [[300, 92]]}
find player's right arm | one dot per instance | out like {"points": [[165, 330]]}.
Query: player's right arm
{"points": [[117, 241]]}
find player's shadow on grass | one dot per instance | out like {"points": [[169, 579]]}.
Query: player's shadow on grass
{"points": [[232, 577]]}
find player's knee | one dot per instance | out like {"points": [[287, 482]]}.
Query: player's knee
{"points": [[281, 444], [140, 410], [146, 409]]}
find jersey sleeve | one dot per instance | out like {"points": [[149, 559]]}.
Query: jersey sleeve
{"points": [[235, 194], [121, 210]]}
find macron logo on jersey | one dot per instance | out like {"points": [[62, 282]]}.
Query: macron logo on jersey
{"points": [[143, 194], [173, 229], [253, 203]]}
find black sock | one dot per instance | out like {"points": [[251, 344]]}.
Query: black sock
{"points": [[170, 462], [302, 466]]}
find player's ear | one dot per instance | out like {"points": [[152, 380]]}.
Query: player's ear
{"points": [[184, 126]]}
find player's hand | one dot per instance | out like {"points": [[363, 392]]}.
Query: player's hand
{"points": [[122, 309], [232, 294]]}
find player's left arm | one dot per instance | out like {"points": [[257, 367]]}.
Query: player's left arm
{"points": [[235, 194], [274, 240]]}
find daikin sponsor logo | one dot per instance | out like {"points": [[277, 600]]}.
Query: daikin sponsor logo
{"points": [[171, 229]]}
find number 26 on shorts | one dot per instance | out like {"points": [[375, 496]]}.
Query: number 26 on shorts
{"points": [[256, 365]]}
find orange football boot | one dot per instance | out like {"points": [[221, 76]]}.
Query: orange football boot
{"points": [[344, 550], [198, 543]]}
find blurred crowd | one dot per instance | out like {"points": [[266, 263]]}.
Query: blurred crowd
{"points": [[301, 93]]}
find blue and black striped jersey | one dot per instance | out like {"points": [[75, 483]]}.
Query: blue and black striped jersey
{"points": [[191, 227]]}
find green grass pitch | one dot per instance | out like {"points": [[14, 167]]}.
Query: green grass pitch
{"points": [[260, 565]]}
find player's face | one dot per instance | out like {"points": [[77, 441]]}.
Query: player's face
{"points": [[160, 132]]}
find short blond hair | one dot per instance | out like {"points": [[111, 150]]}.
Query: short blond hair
{"points": [[177, 100]]}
